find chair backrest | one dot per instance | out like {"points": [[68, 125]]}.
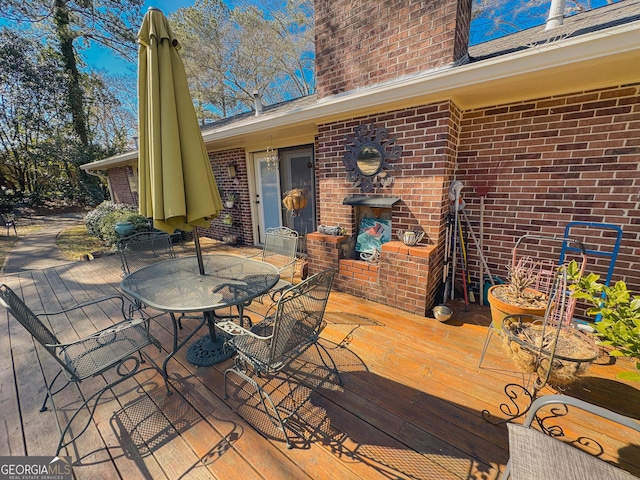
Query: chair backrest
{"points": [[299, 316], [280, 249], [29, 320], [8, 223], [535, 455], [142, 249]]}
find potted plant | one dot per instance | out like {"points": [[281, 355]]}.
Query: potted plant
{"points": [[619, 324], [547, 345], [517, 295], [295, 200], [123, 228], [230, 199]]}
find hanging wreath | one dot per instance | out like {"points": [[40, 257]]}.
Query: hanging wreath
{"points": [[295, 200]]}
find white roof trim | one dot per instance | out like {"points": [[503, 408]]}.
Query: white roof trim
{"points": [[435, 85]]}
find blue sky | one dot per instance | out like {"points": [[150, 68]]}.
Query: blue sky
{"points": [[99, 58]]}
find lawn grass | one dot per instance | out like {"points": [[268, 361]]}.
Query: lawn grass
{"points": [[75, 242]]}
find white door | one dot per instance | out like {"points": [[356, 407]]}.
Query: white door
{"points": [[268, 195]]}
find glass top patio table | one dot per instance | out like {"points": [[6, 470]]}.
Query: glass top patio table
{"points": [[176, 286]]}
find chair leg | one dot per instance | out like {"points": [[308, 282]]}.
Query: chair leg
{"points": [[49, 394], [333, 367], [95, 398], [487, 339], [262, 394]]}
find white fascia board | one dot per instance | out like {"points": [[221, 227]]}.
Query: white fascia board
{"points": [[437, 85], [443, 83], [121, 159]]}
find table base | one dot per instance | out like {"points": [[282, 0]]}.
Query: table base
{"points": [[206, 352]]}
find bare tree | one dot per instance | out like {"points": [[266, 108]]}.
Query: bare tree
{"points": [[256, 46], [110, 123], [109, 24], [200, 30]]}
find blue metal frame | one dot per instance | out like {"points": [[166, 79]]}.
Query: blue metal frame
{"points": [[612, 255]]}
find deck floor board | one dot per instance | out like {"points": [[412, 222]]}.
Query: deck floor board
{"points": [[410, 407]]}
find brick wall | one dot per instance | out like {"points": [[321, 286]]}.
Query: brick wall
{"points": [[119, 180], [429, 137], [550, 161], [364, 42], [242, 207], [400, 279], [219, 162]]}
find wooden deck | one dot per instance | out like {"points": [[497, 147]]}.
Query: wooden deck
{"points": [[410, 406]]}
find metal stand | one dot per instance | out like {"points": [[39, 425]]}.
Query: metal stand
{"points": [[543, 350], [210, 349]]}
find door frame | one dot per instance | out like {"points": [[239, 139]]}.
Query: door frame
{"points": [[254, 187]]}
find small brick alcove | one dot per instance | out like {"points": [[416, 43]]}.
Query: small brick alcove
{"points": [[400, 279]]}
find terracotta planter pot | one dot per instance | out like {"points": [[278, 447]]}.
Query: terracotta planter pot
{"points": [[500, 309]]}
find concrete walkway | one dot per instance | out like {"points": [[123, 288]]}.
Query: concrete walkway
{"points": [[38, 250]]}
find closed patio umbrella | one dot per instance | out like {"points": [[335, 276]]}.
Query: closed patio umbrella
{"points": [[177, 189]]}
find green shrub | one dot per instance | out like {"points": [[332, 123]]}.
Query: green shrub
{"points": [[619, 325], [108, 225], [95, 216]]}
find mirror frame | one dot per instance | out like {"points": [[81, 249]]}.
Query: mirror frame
{"points": [[360, 171]]}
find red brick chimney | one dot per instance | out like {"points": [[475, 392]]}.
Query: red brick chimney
{"points": [[365, 42]]}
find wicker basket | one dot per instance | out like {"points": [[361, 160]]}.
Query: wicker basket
{"points": [[295, 199], [522, 340]]}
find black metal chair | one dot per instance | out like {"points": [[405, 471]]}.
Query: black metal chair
{"points": [[271, 346], [142, 249], [280, 249], [6, 221], [87, 357]]}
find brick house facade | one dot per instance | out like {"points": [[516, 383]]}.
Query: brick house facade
{"points": [[545, 159]]}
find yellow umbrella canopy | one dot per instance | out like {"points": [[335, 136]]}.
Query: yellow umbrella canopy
{"points": [[177, 188]]}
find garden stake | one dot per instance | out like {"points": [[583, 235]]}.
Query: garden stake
{"points": [[447, 258], [463, 269]]}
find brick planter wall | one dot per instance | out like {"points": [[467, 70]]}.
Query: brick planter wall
{"points": [[400, 279]]}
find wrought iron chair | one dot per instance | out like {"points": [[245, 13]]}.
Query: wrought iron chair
{"points": [[142, 249], [280, 249], [6, 221], [87, 357], [534, 455], [271, 346]]}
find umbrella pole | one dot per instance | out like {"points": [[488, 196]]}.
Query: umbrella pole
{"points": [[196, 241]]}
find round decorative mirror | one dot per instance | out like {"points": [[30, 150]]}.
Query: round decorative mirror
{"points": [[369, 152], [369, 160]]}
